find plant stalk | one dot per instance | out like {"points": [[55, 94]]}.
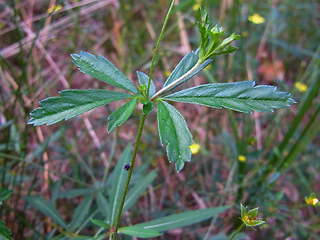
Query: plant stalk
{"points": [[238, 230], [157, 45], [133, 158]]}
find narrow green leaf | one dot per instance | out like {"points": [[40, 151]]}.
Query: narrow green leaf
{"points": [[181, 219], [103, 204], [186, 64], [102, 69], [81, 212], [139, 187], [174, 133], [72, 102], [139, 232], [5, 194], [143, 80], [47, 209], [122, 114], [238, 96], [100, 223], [119, 177]]}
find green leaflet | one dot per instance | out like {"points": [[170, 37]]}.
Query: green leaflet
{"points": [[5, 233], [181, 219], [71, 103], [5, 194], [143, 80], [186, 64], [174, 133], [139, 232], [102, 69], [47, 209], [122, 114], [238, 96]]}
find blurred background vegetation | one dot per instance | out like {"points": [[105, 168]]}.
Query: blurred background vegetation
{"points": [[270, 161]]}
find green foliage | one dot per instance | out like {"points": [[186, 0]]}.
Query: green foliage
{"points": [[173, 130], [122, 114], [238, 96], [46, 208], [5, 233], [210, 43], [72, 103], [139, 232], [181, 219], [102, 69], [184, 66], [249, 218], [118, 184], [174, 133], [143, 80]]}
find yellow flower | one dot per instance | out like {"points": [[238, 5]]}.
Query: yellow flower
{"points": [[197, 5], [256, 19], [312, 200], [242, 158], [301, 86], [167, 73], [195, 147], [244, 34], [207, 68], [54, 8]]}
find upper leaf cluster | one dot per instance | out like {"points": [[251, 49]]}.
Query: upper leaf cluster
{"points": [[210, 42]]}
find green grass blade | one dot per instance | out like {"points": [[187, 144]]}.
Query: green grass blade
{"points": [[181, 219], [139, 187], [118, 183], [81, 212], [47, 209], [139, 232]]}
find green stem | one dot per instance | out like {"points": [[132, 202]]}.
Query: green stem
{"points": [[238, 230], [133, 158], [157, 45]]}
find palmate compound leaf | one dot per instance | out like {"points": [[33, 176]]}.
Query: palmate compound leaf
{"points": [[71, 103], [102, 69], [238, 96], [174, 133]]}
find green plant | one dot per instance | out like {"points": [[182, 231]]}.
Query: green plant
{"points": [[5, 233], [173, 131]]}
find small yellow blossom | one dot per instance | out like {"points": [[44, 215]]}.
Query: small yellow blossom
{"points": [[195, 147], [256, 19], [244, 34], [127, 6], [242, 158], [312, 200], [54, 8], [301, 86], [197, 5], [167, 73], [207, 68]]}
